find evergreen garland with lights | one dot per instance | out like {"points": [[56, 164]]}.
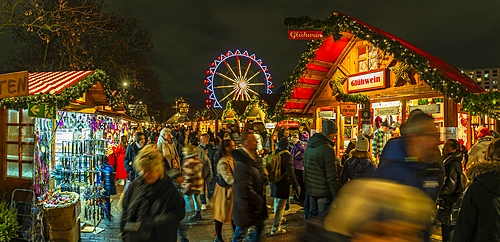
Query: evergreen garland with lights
{"points": [[476, 104]]}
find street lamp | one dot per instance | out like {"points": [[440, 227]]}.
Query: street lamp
{"points": [[125, 84]]}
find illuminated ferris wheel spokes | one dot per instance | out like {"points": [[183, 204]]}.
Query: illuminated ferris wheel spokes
{"points": [[239, 81]]}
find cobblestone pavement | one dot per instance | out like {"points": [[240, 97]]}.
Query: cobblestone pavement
{"points": [[204, 230]]}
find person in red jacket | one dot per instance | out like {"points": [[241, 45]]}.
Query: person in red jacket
{"points": [[119, 151]]}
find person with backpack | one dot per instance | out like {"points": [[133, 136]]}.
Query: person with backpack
{"points": [[479, 217], [279, 165], [453, 155], [359, 164]]}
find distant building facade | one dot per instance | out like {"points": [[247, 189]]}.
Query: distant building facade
{"points": [[487, 78]]}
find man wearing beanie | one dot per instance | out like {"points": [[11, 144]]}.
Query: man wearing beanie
{"points": [[320, 170], [359, 164], [476, 153]]}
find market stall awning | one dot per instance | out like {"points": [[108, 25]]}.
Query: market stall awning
{"points": [[298, 98], [54, 82], [215, 113], [316, 72]]}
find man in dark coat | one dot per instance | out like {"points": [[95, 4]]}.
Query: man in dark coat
{"points": [[281, 190], [249, 205], [132, 151], [479, 218], [320, 170]]}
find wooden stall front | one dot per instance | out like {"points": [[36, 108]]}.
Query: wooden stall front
{"points": [[350, 65]]}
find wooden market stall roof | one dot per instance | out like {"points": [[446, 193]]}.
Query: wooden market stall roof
{"points": [[69, 91], [332, 50]]}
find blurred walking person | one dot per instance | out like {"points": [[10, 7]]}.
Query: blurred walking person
{"points": [[453, 154], [203, 150], [192, 182], [249, 206], [152, 206], [479, 217], [223, 194]]}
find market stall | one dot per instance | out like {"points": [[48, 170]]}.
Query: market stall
{"points": [[65, 149], [359, 73]]}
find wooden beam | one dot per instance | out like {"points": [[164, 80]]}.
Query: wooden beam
{"points": [[306, 85], [344, 70], [330, 73], [315, 72], [313, 77], [321, 63], [292, 110], [298, 100]]}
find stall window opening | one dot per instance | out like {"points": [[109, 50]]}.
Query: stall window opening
{"points": [[20, 145], [368, 58]]}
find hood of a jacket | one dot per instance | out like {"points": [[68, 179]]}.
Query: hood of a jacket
{"points": [[284, 143], [485, 140], [457, 156], [239, 155], [317, 140], [488, 174]]}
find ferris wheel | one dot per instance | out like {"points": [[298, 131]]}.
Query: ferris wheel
{"points": [[236, 76]]}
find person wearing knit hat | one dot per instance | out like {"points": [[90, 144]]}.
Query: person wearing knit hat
{"points": [[476, 153], [378, 139], [360, 164], [320, 168]]}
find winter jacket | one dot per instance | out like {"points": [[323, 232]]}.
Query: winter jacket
{"points": [[166, 208], [249, 205], [476, 153], [132, 151], [235, 137], [320, 168], [479, 218], [259, 141], [298, 152], [223, 196], [378, 143], [108, 179], [366, 166], [192, 170], [451, 190], [203, 155], [395, 166], [281, 189]]}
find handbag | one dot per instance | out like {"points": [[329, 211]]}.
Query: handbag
{"points": [[221, 181]]}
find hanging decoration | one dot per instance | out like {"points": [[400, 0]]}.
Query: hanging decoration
{"points": [[402, 72], [476, 104], [356, 98], [337, 85]]}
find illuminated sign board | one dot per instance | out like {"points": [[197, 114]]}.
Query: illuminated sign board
{"points": [[367, 81]]}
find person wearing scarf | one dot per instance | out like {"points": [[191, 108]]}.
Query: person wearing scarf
{"points": [[167, 148]]}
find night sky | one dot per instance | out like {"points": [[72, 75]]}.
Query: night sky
{"points": [[188, 35]]}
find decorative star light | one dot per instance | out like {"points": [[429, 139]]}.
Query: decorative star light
{"points": [[402, 73], [337, 85]]}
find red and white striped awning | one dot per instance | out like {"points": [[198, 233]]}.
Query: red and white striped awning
{"points": [[54, 82]]}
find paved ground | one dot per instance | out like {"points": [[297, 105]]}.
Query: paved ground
{"points": [[203, 231]]}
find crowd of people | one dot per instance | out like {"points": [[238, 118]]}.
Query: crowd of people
{"points": [[387, 193]]}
